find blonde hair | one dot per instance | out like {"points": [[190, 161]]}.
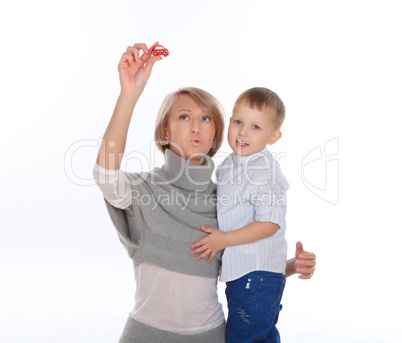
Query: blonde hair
{"points": [[260, 98], [206, 101]]}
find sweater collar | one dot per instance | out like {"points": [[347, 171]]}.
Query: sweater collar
{"points": [[183, 174]]}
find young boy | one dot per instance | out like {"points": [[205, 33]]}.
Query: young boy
{"points": [[251, 216]]}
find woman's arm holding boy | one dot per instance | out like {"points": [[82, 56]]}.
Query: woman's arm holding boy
{"points": [[303, 263]]}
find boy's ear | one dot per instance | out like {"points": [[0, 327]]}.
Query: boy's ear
{"points": [[276, 136]]}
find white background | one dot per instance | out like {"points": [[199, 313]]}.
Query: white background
{"points": [[336, 64]]}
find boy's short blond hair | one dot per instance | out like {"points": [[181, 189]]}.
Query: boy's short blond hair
{"points": [[260, 98], [206, 101]]}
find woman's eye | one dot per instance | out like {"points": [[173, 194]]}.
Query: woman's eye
{"points": [[206, 119], [184, 117], [256, 127]]}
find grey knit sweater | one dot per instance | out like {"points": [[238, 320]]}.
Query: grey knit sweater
{"points": [[169, 204]]}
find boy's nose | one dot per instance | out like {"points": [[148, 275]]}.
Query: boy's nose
{"points": [[242, 132]]}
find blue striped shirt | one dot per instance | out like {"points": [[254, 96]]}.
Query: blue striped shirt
{"points": [[252, 188]]}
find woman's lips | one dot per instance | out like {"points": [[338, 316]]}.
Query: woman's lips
{"points": [[196, 141]]}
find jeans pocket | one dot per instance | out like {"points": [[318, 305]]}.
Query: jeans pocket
{"points": [[270, 294]]}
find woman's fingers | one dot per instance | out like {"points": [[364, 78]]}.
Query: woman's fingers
{"points": [[307, 256], [147, 60], [305, 270], [141, 46], [146, 52], [128, 58], [135, 67], [145, 56], [305, 276], [135, 50], [303, 262]]}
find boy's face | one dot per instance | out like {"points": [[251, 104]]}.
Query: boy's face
{"points": [[251, 130]]}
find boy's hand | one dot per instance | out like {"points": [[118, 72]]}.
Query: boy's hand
{"points": [[209, 245]]}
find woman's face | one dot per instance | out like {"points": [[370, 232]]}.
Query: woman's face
{"points": [[189, 130]]}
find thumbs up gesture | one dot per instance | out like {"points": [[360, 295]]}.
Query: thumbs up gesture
{"points": [[304, 263]]}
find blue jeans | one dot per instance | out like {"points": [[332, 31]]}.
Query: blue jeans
{"points": [[254, 302]]}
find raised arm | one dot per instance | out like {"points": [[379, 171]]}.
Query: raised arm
{"points": [[134, 71]]}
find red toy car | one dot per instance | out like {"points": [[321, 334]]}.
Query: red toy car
{"points": [[160, 50]]}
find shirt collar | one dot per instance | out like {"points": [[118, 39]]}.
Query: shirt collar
{"points": [[183, 174], [241, 160]]}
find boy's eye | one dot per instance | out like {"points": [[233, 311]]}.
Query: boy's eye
{"points": [[238, 122], [256, 127], [206, 119], [184, 117]]}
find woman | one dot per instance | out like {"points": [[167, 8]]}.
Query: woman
{"points": [[158, 214]]}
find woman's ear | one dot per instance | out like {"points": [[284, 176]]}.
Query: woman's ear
{"points": [[276, 136]]}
